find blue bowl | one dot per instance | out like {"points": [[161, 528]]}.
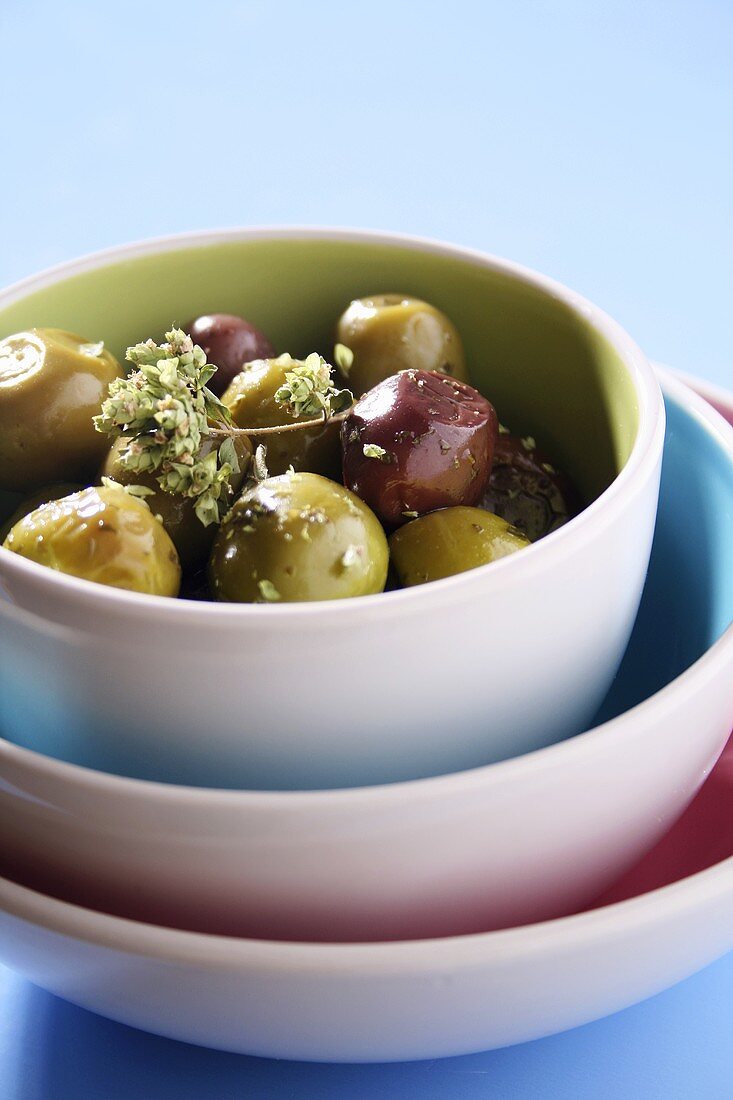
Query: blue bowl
{"points": [[688, 596], [686, 606]]}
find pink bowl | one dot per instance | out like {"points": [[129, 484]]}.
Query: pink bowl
{"points": [[701, 838], [704, 834]]}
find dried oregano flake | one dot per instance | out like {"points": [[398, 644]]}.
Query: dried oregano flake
{"points": [[373, 450], [268, 591]]}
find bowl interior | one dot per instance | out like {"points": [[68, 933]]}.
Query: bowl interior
{"points": [[545, 367], [688, 596]]}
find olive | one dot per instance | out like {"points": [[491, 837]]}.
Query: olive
{"points": [[51, 385], [191, 539], [251, 400], [449, 541], [298, 537], [416, 442], [388, 333], [34, 500], [527, 490], [103, 535], [229, 343]]}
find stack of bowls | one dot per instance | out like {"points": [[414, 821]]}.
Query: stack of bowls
{"points": [[324, 831]]}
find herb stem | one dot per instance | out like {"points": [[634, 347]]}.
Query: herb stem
{"points": [[222, 430]]}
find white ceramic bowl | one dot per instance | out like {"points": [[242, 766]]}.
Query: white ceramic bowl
{"points": [[370, 1002], [520, 840], [462, 672]]}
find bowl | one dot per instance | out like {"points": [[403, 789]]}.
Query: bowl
{"points": [[503, 844], [670, 916], [459, 673]]}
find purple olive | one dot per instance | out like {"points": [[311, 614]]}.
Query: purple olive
{"points": [[417, 441], [229, 343], [527, 490]]}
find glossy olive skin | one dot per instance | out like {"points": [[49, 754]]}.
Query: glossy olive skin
{"points": [[295, 538], [527, 490], [50, 388], [450, 541], [229, 343], [392, 332], [103, 535], [35, 500], [191, 539], [438, 436], [251, 401]]}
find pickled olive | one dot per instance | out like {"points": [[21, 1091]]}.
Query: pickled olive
{"points": [[229, 343], [51, 385], [416, 442], [103, 535], [189, 536], [35, 500], [298, 537], [388, 333], [450, 541], [527, 491], [251, 401]]}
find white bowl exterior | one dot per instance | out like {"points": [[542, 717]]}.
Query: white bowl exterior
{"points": [[420, 682], [372, 1002], [408, 695]]}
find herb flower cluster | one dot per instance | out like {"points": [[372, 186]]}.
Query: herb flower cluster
{"points": [[164, 410]]}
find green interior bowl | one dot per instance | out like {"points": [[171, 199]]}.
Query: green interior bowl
{"points": [[547, 371]]}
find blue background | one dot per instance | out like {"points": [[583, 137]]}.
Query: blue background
{"points": [[590, 140]]}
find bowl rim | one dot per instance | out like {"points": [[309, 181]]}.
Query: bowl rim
{"points": [[589, 524], [405, 957], [715, 394], [717, 661]]}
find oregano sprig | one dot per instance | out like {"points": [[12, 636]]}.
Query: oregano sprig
{"points": [[165, 411], [308, 389]]}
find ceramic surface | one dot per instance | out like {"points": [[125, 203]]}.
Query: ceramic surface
{"points": [[518, 841], [378, 1002], [420, 682]]}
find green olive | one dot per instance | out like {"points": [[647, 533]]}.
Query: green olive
{"points": [[34, 500], [103, 535], [298, 537], [51, 385], [388, 333], [449, 541], [250, 398], [191, 539]]}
